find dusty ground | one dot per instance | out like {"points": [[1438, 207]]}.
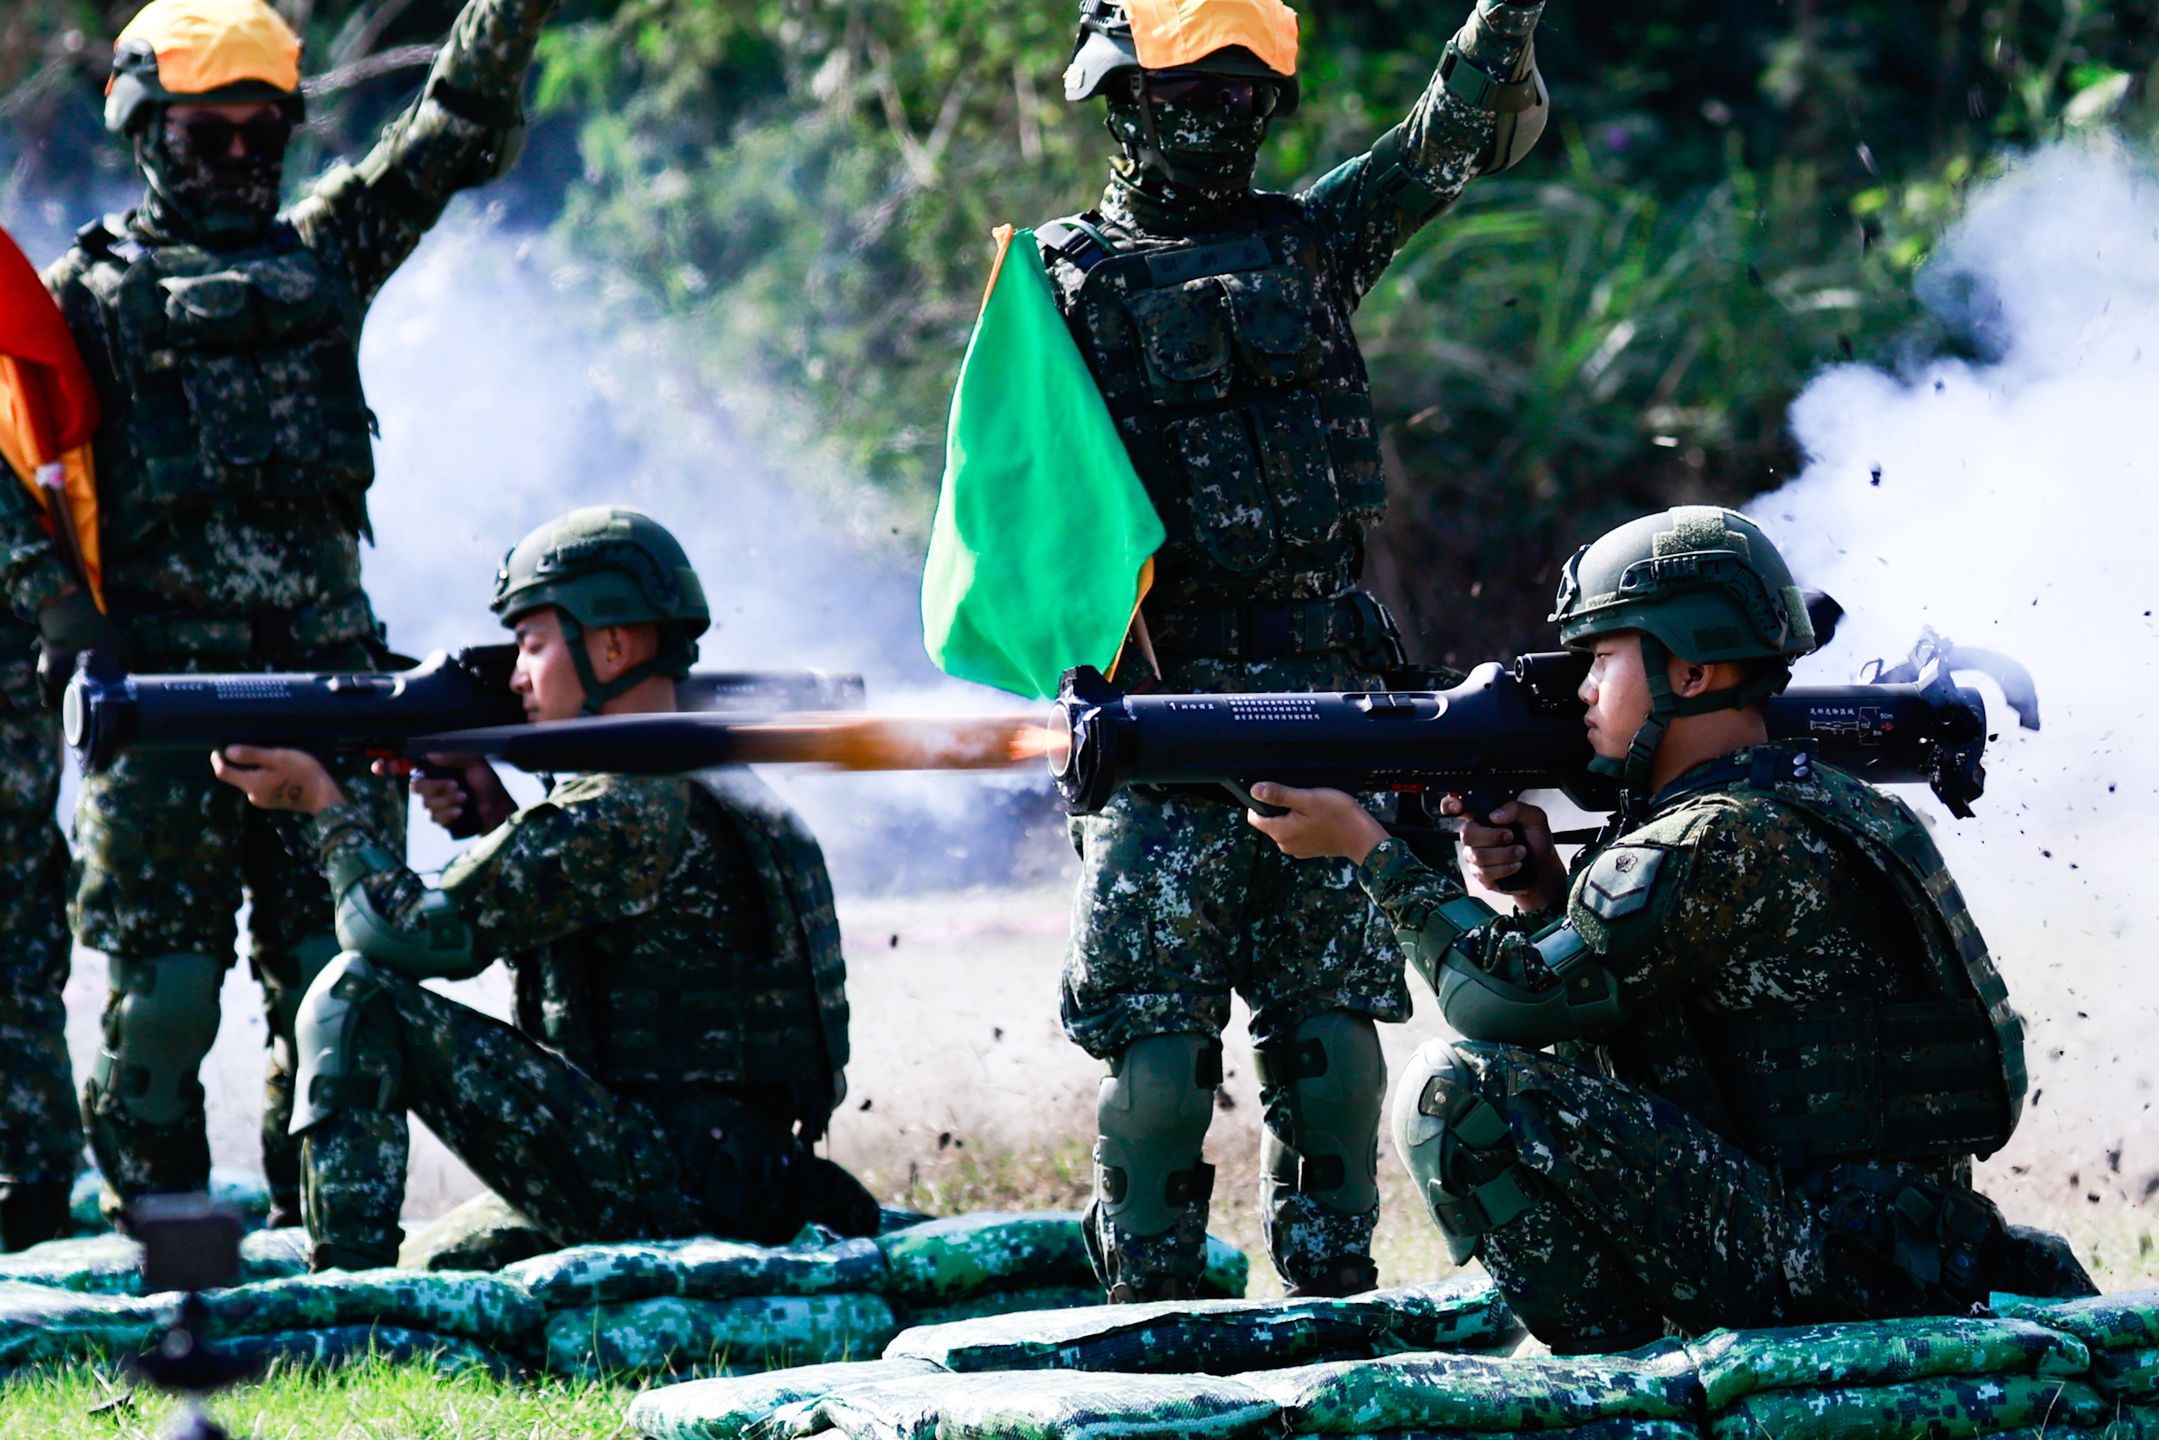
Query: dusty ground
{"points": [[964, 1093]]}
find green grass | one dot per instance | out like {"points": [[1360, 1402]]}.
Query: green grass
{"points": [[375, 1400]]}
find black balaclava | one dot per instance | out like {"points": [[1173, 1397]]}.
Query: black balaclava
{"points": [[212, 200], [1184, 168]]}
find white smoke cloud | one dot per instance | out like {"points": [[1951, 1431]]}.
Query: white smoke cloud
{"points": [[2010, 502], [509, 393]]}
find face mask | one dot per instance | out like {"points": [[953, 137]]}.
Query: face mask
{"points": [[1198, 131], [204, 191]]}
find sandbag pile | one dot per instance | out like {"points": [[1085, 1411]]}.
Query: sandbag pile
{"points": [[1414, 1364], [698, 1305]]}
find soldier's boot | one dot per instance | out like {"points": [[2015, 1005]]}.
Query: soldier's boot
{"points": [[142, 1104], [349, 1115], [1147, 1227], [285, 975], [1320, 1093], [33, 1211], [1571, 1290]]}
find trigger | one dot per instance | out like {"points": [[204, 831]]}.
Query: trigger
{"points": [[1242, 793]]}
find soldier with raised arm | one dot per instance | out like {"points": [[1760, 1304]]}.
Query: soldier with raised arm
{"points": [[1215, 319], [234, 461]]}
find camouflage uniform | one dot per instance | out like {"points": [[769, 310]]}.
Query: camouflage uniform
{"points": [[1217, 324], [1774, 1123], [40, 1131], [234, 461], [681, 1022]]}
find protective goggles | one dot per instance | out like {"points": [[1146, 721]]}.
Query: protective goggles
{"points": [[210, 137], [1245, 98]]}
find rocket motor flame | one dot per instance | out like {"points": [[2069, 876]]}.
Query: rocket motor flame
{"points": [[840, 741]]}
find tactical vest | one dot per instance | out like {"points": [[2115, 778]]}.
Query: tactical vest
{"points": [[1229, 366], [1937, 1077], [633, 1013], [237, 381]]}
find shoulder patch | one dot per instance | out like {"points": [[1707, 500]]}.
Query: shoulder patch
{"points": [[1620, 880]]}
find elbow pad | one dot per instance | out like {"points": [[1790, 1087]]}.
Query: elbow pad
{"points": [[1491, 65], [436, 944], [1483, 1006]]}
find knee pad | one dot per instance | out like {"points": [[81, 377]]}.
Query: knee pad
{"points": [[1460, 1151], [157, 1036], [331, 1074], [1325, 1088], [1152, 1119], [286, 974]]}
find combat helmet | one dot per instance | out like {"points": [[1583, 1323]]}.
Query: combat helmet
{"points": [[1698, 582], [202, 52], [1254, 39], [606, 565]]}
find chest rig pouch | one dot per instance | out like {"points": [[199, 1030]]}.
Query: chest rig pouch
{"points": [[239, 378], [1229, 366], [1936, 1077]]}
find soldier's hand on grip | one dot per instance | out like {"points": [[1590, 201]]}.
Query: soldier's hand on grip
{"points": [[464, 797], [1516, 836], [1320, 823], [68, 626]]}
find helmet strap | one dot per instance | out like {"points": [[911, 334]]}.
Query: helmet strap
{"points": [[1664, 707], [597, 691]]}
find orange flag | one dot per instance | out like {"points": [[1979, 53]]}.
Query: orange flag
{"points": [[48, 413]]}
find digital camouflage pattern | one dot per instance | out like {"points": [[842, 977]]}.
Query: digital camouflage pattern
{"points": [[112, 1264], [1736, 1363], [233, 457], [961, 1256], [1722, 904], [701, 1269], [1042, 1405], [352, 1344], [1950, 1407], [1480, 1393], [767, 1332], [2104, 1322], [723, 1407], [157, 886], [1216, 322], [40, 1323], [480, 1307], [1005, 1302], [669, 1034], [1220, 1337], [40, 1124]]}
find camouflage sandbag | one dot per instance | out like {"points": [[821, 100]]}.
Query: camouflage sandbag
{"points": [[2133, 1422], [344, 1344], [941, 1261], [2130, 1376], [1005, 1302], [244, 1192], [39, 1323], [483, 1233], [1735, 1363], [486, 1308], [1594, 1430], [1947, 1407], [766, 1332], [112, 1264], [90, 1265], [1220, 1337], [702, 1269], [1482, 1393], [724, 1407], [2104, 1322], [1043, 1405]]}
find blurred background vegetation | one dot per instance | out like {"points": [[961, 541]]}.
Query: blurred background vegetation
{"points": [[1734, 194]]}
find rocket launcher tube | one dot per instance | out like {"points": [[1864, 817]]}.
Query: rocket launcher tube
{"points": [[369, 712], [1501, 731]]}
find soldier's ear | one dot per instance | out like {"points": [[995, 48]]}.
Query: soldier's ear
{"points": [[1691, 678]]}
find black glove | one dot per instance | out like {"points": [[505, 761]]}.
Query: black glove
{"points": [[70, 626]]}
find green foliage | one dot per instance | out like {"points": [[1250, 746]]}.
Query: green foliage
{"points": [[802, 193]]}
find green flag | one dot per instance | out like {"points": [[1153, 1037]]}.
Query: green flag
{"points": [[1039, 552]]}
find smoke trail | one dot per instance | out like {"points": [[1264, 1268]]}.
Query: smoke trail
{"points": [[2009, 503], [510, 393]]}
